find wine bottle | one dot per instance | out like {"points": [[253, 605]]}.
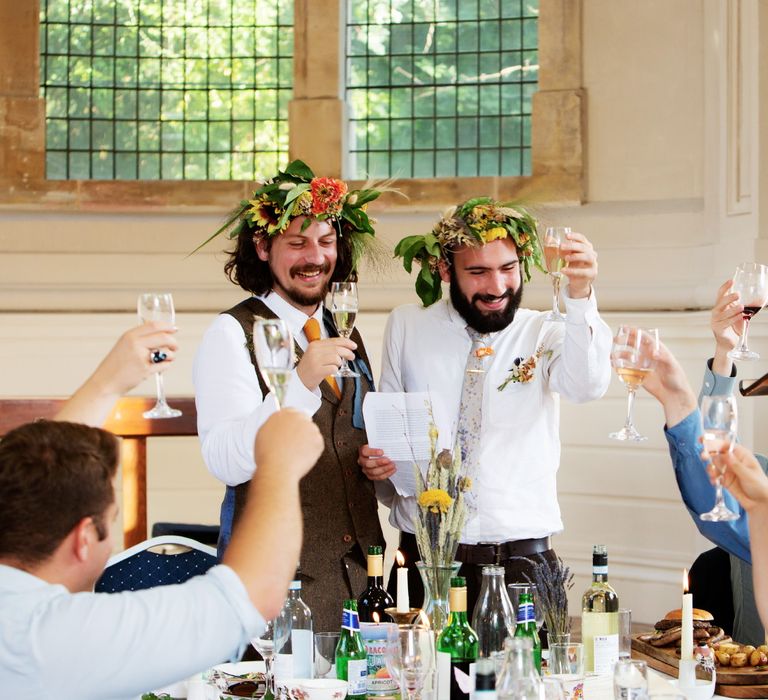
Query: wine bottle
{"points": [[600, 617], [351, 659], [375, 599], [456, 648], [494, 617], [526, 626], [294, 641], [485, 679]]}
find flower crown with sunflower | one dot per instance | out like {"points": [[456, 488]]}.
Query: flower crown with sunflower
{"points": [[475, 222], [296, 191]]}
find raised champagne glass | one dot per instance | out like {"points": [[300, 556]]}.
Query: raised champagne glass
{"points": [[554, 237], [719, 423], [344, 311], [273, 347], [633, 356], [158, 306], [751, 284]]}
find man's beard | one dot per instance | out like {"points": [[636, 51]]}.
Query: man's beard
{"points": [[308, 298], [485, 321]]}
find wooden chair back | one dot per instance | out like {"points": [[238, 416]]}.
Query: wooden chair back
{"points": [[125, 421]]}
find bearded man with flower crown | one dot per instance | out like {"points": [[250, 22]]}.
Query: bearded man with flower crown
{"points": [[296, 235], [498, 371]]}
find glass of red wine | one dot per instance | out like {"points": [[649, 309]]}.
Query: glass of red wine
{"points": [[751, 284]]}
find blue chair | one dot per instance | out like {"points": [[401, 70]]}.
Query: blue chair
{"points": [[159, 561]]}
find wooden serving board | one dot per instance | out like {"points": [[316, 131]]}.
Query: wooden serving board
{"points": [[745, 682]]}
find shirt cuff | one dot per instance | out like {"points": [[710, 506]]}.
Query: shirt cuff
{"points": [[685, 434], [237, 596], [717, 384], [298, 396], [582, 311]]}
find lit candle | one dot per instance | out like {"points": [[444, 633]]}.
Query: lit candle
{"points": [[686, 642], [403, 600]]}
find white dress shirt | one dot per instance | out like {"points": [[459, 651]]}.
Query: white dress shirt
{"points": [[515, 485], [230, 405], [95, 646]]}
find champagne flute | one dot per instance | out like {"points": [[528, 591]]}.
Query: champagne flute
{"points": [[633, 356], [154, 306], [410, 657], [751, 284], [273, 347], [554, 237], [719, 421], [344, 311], [265, 645]]}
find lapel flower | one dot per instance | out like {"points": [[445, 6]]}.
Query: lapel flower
{"points": [[522, 371], [483, 351]]}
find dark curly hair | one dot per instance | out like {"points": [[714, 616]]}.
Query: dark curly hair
{"points": [[246, 269]]}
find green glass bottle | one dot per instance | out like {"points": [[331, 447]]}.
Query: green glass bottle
{"points": [[456, 648], [526, 626], [351, 659]]}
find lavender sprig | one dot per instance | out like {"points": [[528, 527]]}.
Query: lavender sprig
{"points": [[553, 580]]}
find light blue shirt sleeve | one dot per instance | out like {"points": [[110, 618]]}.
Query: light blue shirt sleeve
{"points": [[699, 494], [134, 642]]}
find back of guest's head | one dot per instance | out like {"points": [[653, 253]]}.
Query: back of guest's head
{"points": [[52, 475]]}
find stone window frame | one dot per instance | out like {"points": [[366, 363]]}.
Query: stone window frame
{"points": [[558, 124]]}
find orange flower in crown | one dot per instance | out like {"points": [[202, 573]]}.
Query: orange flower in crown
{"points": [[327, 195]]}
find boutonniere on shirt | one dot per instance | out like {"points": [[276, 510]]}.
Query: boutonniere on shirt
{"points": [[483, 351], [522, 370]]}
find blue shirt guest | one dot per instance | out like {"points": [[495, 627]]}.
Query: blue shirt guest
{"points": [[683, 431], [60, 640]]}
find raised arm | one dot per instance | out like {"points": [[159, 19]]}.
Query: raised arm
{"points": [[127, 364]]}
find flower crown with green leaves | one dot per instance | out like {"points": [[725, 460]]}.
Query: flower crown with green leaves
{"points": [[296, 191], [475, 222]]}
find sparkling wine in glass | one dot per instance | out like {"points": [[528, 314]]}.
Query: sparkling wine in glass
{"points": [[154, 306], [633, 356], [554, 237], [273, 346], [265, 645], [751, 284], [344, 311], [719, 422]]}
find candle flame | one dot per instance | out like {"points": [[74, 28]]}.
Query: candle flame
{"points": [[375, 617], [685, 580], [399, 558]]}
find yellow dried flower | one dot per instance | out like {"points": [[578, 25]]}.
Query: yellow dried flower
{"points": [[436, 500], [492, 234]]}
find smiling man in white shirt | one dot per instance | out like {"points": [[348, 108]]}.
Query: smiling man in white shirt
{"points": [[484, 249]]}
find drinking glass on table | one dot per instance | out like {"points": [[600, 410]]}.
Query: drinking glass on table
{"points": [[265, 645], [751, 284], [325, 654], [719, 423], [554, 237], [633, 356], [566, 663], [630, 680], [273, 347], [344, 308], [410, 657], [153, 306]]}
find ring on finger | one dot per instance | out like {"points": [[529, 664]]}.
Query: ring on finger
{"points": [[157, 356]]}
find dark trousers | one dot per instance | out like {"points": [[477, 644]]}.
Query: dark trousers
{"points": [[515, 571]]}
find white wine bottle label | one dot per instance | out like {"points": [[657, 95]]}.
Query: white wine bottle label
{"points": [[606, 652], [302, 643], [357, 675]]}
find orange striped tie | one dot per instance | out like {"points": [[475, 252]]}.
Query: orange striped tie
{"points": [[312, 331]]}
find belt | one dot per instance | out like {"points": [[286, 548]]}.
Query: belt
{"points": [[497, 552]]}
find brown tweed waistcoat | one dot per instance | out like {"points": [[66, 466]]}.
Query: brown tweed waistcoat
{"points": [[338, 501]]}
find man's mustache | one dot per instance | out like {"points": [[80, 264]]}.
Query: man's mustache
{"points": [[490, 298], [325, 268]]}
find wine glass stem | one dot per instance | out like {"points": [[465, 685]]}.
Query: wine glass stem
{"points": [[160, 388], [269, 677], [745, 333], [719, 500], [555, 294], [629, 425]]}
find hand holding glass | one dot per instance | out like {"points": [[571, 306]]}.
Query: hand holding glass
{"points": [[719, 423], [554, 237], [344, 308], [154, 306], [410, 657], [273, 347], [751, 284], [633, 356]]}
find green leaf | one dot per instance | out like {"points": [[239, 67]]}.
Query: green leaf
{"points": [[298, 168], [296, 192], [429, 290], [414, 251], [365, 196], [405, 244], [432, 245]]}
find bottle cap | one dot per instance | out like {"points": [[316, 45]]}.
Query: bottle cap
{"points": [[374, 549], [458, 582]]}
